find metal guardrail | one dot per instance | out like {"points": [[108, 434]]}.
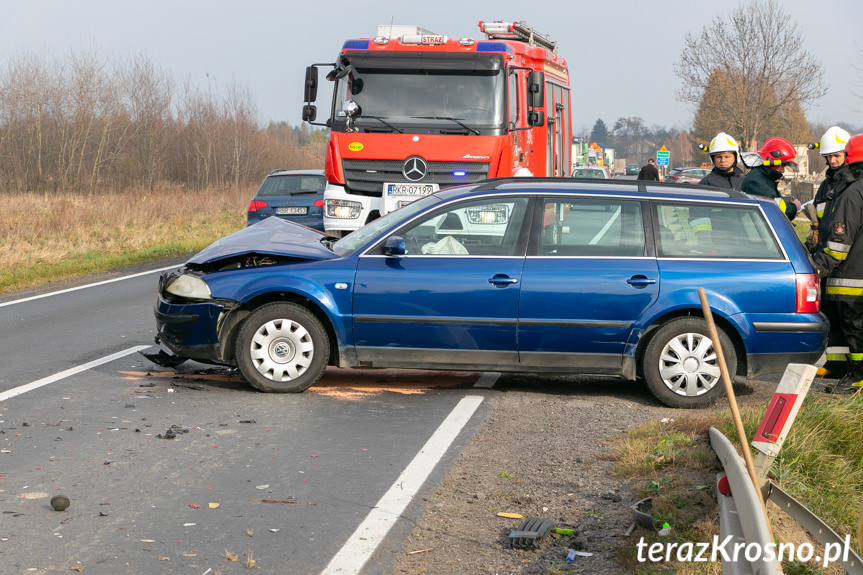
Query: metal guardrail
{"points": [[742, 516]]}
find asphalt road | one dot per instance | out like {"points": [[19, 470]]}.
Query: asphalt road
{"points": [[184, 472]]}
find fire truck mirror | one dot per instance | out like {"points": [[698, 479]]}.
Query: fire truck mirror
{"points": [[536, 88], [535, 118], [309, 113], [311, 87]]}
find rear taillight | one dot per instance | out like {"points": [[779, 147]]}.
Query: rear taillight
{"points": [[318, 204], [808, 293], [256, 205]]}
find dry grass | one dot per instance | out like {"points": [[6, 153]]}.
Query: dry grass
{"points": [[46, 237]]}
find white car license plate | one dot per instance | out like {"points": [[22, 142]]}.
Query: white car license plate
{"points": [[292, 211], [410, 189]]}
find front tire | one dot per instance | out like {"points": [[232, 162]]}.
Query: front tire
{"points": [[681, 367], [282, 348]]}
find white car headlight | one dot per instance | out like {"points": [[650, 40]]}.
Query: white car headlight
{"points": [[190, 287], [343, 209]]}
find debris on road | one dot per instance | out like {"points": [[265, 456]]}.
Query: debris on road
{"points": [[60, 502], [530, 531]]}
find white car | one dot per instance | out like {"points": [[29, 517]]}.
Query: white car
{"points": [[592, 172]]}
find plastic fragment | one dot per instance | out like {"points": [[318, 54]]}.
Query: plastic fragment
{"points": [[510, 515], [267, 486], [213, 505], [194, 505]]}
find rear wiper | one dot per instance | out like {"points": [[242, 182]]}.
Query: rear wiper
{"points": [[456, 120], [384, 122]]}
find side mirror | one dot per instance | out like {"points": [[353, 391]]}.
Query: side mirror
{"points": [[535, 118], [351, 108], [310, 92], [394, 246], [536, 89], [309, 113], [751, 159]]}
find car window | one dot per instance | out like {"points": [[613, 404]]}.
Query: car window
{"points": [[591, 227], [290, 185], [487, 227], [687, 230]]}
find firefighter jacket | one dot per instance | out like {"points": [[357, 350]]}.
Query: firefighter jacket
{"points": [[825, 190], [726, 179], [839, 256], [763, 181]]}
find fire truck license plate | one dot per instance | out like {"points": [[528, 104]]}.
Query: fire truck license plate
{"points": [[297, 211], [410, 189]]}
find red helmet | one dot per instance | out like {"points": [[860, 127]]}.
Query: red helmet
{"points": [[777, 151], [854, 149]]}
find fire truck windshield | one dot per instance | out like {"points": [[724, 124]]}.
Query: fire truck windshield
{"points": [[445, 99]]}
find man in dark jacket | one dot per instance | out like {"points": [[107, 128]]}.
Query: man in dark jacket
{"points": [[839, 258], [649, 171], [763, 180], [724, 151]]}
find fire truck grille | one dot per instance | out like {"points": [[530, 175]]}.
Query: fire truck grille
{"points": [[366, 177]]}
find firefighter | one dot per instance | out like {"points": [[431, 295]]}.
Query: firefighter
{"points": [[839, 258], [832, 148], [763, 180], [724, 152]]}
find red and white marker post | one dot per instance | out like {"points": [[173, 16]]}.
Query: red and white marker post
{"points": [[780, 415]]}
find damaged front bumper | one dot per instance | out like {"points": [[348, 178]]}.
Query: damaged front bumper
{"points": [[191, 330]]}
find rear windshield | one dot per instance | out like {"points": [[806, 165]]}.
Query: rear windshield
{"points": [[292, 185]]}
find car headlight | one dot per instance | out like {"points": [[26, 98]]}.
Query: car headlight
{"points": [[343, 209], [189, 287]]}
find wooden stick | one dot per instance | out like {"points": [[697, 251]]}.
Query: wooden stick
{"points": [[732, 400], [419, 551], [860, 528]]}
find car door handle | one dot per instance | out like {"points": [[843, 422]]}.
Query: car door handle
{"points": [[502, 280], [640, 281]]}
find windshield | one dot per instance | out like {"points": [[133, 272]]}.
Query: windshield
{"points": [[423, 97], [372, 230]]}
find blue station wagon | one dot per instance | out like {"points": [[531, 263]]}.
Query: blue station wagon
{"points": [[516, 275]]}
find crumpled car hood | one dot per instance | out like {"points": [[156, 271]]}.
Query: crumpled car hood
{"points": [[273, 236]]}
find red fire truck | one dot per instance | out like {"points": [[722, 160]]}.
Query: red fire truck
{"points": [[414, 112]]}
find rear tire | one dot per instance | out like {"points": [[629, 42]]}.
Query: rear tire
{"points": [[680, 364], [282, 348]]}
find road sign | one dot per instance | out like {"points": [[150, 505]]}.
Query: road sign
{"points": [[662, 161], [662, 156]]}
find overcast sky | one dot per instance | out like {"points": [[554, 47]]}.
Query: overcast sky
{"points": [[620, 53]]}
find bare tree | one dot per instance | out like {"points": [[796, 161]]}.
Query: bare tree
{"points": [[149, 93], [748, 68]]}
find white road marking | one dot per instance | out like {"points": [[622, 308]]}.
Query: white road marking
{"points": [[487, 379], [364, 541], [69, 372], [62, 291]]}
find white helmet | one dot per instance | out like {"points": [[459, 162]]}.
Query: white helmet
{"points": [[833, 140], [723, 143]]}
